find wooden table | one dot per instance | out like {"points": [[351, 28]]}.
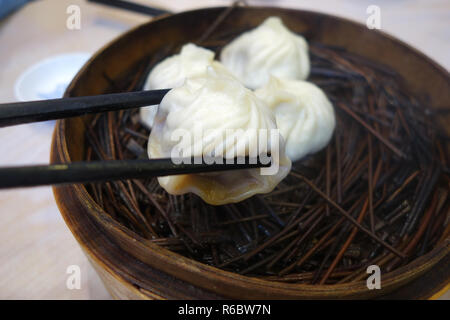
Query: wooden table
{"points": [[36, 246]]}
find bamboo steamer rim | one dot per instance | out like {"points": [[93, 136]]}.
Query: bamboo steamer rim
{"points": [[173, 263]]}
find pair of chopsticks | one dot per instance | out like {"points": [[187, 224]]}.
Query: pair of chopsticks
{"points": [[82, 172]]}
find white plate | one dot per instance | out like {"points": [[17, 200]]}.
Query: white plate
{"points": [[49, 78]]}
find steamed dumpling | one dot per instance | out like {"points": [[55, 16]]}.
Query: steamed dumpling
{"points": [[201, 118], [192, 61], [303, 114], [270, 49]]}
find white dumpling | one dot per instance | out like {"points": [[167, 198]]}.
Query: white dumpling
{"points": [[192, 61], [269, 49], [303, 114], [211, 105]]}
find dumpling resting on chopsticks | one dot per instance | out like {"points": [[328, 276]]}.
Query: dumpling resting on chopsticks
{"points": [[269, 49], [303, 114], [192, 61], [215, 115]]}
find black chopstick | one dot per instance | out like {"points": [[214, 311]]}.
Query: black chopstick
{"points": [[132, 6], [42, 110], [93, 171]]}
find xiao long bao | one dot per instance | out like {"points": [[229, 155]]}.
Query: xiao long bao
{"points": [[269, 49], [303, 114], [216, 104], [172, 72]]}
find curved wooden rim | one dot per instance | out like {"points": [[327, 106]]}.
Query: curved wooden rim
{"points": [[441, 292], [172, 263]]}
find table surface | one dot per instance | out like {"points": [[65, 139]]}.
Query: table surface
{"points": [[36, 245]]}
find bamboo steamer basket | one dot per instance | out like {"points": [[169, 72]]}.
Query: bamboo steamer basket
{"points": [[133, 268]]}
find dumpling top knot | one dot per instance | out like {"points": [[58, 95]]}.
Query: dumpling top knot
{"points": [[269, 49], [172, 71]]}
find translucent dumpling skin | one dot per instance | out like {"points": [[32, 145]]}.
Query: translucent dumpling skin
{"points": [[269, 49], [303, 114], [192, 61], [208, 111]]}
